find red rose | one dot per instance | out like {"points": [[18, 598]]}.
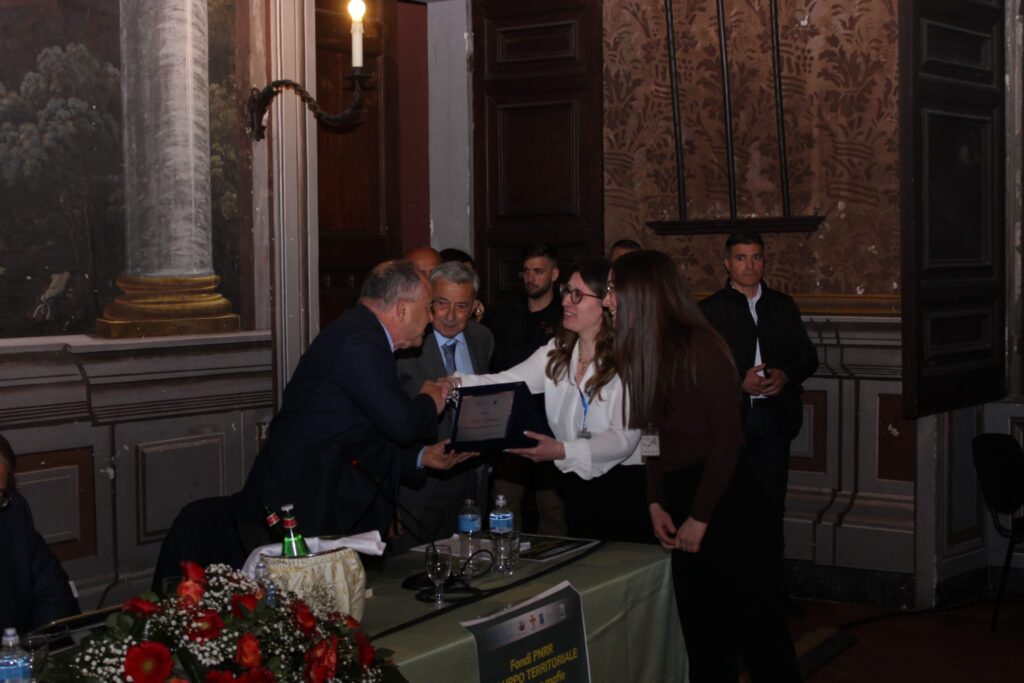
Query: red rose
{"points": [[206, 625], [303, 616], [176, 680], [190, 593], [219, 677], [366, 651], [351, 621], [193, 572], [248, 652], [257, 675], [322, 661], [140, 606], [148, 662], [243, 606]]}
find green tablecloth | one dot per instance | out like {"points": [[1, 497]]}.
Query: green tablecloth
{"points": [[628, 604]]}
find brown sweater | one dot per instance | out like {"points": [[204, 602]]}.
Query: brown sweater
{"points": [[699, 425]]}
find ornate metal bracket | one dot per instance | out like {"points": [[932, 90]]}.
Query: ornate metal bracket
{"points": [[258, 104]]}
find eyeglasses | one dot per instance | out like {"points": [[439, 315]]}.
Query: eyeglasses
{"points": [[575, 295]]}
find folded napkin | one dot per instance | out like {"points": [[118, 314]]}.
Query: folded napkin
{"points": [[367, 543]]}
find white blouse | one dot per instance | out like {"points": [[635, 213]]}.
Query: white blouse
{"points": [[611, 443]]}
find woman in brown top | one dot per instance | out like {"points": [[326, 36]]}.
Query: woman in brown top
{"points": [[681, 383]]}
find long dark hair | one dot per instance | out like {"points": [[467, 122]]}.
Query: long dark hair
{"points": [[594, 274], [654, 324]]}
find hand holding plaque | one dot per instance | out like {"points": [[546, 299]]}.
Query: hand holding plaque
{"points": [[547, 448], [496, 417]]}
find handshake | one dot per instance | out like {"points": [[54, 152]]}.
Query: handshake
{"points": [[442, 390]]}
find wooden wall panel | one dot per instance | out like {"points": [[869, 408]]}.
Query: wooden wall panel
{"points": [[66, 476], [172, 473], [896, 441], [807, 453]]}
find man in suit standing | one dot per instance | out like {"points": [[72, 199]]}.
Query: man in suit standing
{"points": [[454, 343], [774, 356]]}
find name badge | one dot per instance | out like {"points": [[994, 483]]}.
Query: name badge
{"points": [[650, 446]]}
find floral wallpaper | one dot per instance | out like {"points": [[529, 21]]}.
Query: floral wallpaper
{"points": [[840, 85]]}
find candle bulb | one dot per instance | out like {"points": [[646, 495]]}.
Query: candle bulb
{"points": [[356, 10]]}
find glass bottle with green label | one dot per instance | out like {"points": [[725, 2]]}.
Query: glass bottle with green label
{"points": [[293, 545]]}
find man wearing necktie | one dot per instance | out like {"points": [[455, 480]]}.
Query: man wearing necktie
{"points": [[453, 343]]}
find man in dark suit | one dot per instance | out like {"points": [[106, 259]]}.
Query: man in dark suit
{"points": [[34, 589], [345, 437], [347, 433], [454, 343], [774, 356]]}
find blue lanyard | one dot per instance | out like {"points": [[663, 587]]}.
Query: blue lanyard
{"points": [[586, 405]]}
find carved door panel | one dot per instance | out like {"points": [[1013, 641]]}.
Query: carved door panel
{"points": [[952, 206], [537, 133]]}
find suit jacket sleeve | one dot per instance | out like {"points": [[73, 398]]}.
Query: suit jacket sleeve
{"points": [[366, 369]]}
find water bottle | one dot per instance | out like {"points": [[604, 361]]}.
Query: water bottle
{"points": [[502, 526], [469, 533], [262, 576], [15, 663]]}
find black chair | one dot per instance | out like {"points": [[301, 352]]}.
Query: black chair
{"points": [[999, 462]]}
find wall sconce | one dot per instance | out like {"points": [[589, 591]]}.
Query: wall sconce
{"points": [[259, 100]]}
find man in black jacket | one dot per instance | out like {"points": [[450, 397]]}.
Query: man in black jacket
{"points": [[773, 355]]}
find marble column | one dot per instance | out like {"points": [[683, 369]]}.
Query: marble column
{"points": [[168, 285]]}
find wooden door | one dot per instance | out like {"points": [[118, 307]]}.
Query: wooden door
{"points": [[358, 180], [537, 138], [954, 225]]}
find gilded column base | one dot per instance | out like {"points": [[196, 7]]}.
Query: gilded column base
{"points": [[163, 306]]}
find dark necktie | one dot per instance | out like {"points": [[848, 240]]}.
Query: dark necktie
{"points": [[449, 356]]}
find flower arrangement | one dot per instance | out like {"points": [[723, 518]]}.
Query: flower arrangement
{"points": [[221, 627]]}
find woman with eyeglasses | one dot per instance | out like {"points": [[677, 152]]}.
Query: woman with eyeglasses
{"points": [[680, 380], [583, 399]]}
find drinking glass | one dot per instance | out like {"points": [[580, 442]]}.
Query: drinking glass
{"points": [[507, 548], [439, 567], [38, 648]]}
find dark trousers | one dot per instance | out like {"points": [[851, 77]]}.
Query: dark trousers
{"points": [[612, 507], [767, 463], [725, 593]]}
